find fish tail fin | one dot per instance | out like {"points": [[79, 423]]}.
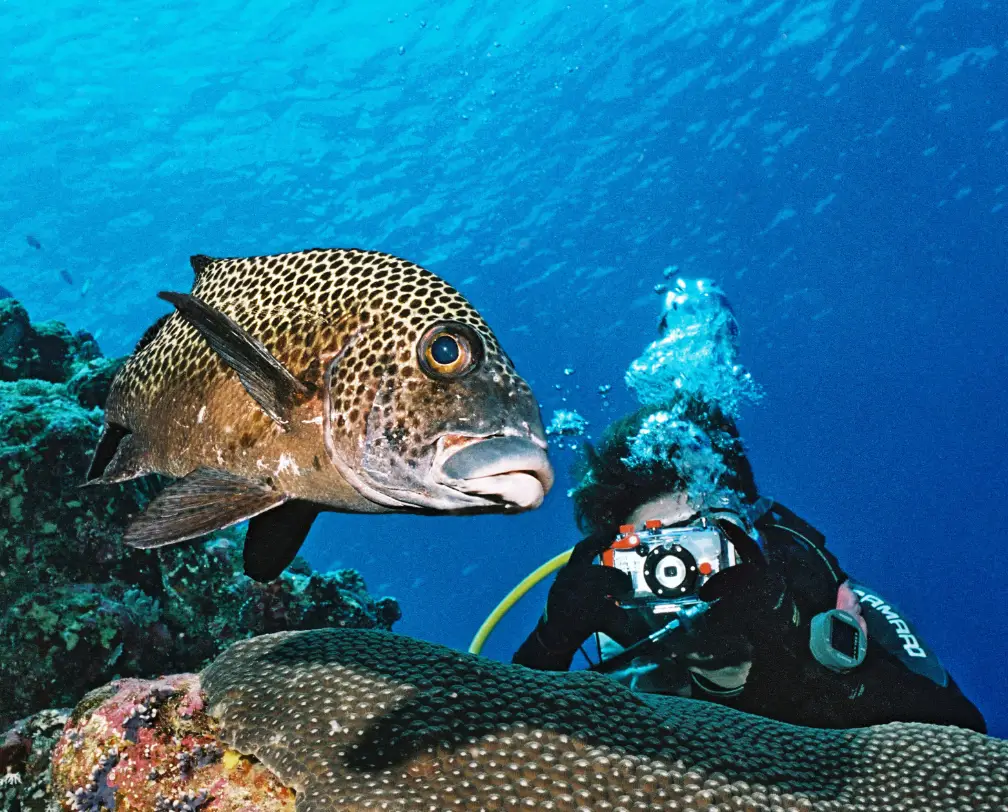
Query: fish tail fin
{"points": [[200, 503]]}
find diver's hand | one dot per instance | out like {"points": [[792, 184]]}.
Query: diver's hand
{"points": [[719, 644], [583, 598], [753, 603]]}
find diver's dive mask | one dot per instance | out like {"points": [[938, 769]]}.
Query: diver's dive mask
{"points": [[668, 563]]}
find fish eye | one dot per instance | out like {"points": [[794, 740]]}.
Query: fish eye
{"points": [[445, 350], [449, 350]]}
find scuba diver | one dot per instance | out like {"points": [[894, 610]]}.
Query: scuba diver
{"points": [[703, 587], [784, 632]]}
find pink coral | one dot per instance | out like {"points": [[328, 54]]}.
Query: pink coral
{"points": [[141, 744]]}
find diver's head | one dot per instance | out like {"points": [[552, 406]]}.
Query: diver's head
{"points": [[675, 482], [671, 509], [670, 462]]}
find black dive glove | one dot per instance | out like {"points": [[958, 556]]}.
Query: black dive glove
{"points": [[583, 598], [752, 608], [750, 617], [755, 597], [751, 602]]}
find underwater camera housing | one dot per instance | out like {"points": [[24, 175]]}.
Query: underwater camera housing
{"points": [[667, 565]]}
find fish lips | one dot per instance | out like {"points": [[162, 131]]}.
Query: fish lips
{"points": [[512, 471]]}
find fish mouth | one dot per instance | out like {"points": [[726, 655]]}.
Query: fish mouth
{"points": [[503, 470]]}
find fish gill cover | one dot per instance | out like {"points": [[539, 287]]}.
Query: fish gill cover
{"points": [[836, 167]]}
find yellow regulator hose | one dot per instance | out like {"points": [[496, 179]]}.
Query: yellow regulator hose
{"points": [[516, 595]]}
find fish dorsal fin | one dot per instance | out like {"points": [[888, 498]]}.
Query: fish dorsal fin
{"points": [[201, 502], [200, 262], [273, 539], [269, 382]]}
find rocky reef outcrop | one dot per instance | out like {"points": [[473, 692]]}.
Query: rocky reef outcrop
{"points": [[77, 607]]}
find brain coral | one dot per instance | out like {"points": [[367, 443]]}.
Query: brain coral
{"points": [[356, 720]]}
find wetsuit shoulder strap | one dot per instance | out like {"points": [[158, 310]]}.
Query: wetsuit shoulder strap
{"points": [[794, 523], [809, 540]]}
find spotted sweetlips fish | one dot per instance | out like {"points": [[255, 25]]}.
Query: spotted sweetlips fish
{"points": [[328, 379]]}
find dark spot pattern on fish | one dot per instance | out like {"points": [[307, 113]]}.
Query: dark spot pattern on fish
{"points": [[282, 298], [150, 332], [374, 399]]}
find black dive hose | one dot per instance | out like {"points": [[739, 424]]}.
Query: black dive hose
{"points": [[681, 622]]}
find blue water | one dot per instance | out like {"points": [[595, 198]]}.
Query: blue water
{"points": [[838, 167]]}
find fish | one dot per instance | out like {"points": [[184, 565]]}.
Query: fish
{"points": [[5, 294], [33, 242], [322, 380], [65, 276]]}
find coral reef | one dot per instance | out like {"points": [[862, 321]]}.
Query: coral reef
{"points": [[355, 719], [77, 607], [25, 761], [47, 351], [151, 746], [352, 718]]}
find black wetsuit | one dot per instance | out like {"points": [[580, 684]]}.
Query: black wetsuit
{"points": [[899, 680]]}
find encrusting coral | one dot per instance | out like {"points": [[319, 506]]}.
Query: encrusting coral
{"points": [[78, 608], [151, 746], [364, 719]]}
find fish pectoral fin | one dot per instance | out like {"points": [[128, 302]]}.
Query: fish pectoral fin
{"points": [[268, 382], [109, 446], [200, 503], [119, 457], [273, 538]]}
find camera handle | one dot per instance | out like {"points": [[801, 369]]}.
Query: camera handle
{"points": [[680, 623]]}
